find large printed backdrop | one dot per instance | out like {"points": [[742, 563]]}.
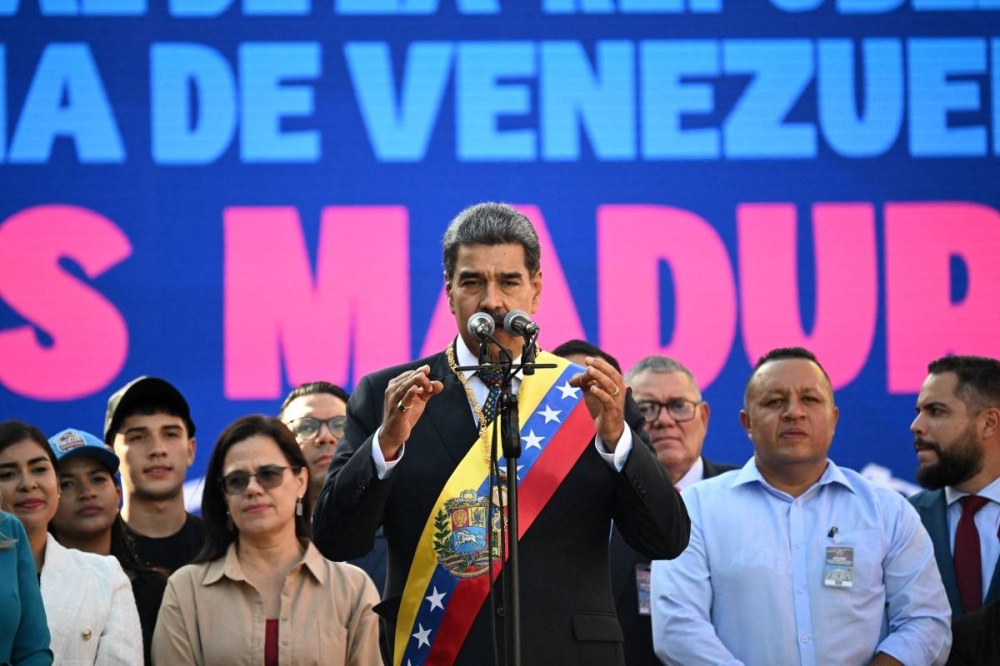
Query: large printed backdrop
{"points": [[242, 196]]}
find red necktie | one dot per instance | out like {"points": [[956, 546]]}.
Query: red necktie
{"points": [[968, 561]]}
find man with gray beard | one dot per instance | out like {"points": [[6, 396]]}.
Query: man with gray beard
{"points": [[957, 439]]}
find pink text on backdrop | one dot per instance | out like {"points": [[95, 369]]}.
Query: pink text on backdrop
{"points": [[705, 292], [350, 314], [846, 283], [318, 322], [922, 322], [89, 337]]}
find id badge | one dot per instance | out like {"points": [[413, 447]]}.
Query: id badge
{"points": [[839, 570], [642, 587]]}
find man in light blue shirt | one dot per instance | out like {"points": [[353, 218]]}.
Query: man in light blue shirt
{"points": [[793, 560]]}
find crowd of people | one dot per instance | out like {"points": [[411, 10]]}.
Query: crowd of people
{"points": [[372, 528]]}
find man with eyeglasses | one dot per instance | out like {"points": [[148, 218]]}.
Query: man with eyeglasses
{"points": [[676, 418], [315, 413], [676, 423]]}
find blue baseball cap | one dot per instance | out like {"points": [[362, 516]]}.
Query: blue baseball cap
{"points": [[72, 443]]}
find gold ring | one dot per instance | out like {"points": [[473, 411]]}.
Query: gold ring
{"points": [[401, 407], [617, 391]]}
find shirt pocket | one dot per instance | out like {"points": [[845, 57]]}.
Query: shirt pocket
{"points": [[332, 644], [869, 554]]}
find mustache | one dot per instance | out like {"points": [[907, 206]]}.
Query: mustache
{"points": [[919, 443], [497, 315]]}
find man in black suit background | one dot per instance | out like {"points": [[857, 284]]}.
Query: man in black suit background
{"points": [[957, 437], [411, 434], [676, 424]]}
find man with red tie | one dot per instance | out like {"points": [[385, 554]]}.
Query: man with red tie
{"points": [[957, 439]]}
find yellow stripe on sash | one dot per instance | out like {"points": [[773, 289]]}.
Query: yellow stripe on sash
{"points": [[471, 472]]}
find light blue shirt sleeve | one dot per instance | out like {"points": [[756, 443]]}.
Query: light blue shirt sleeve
{"points": [[682, 603], [918, 612]]}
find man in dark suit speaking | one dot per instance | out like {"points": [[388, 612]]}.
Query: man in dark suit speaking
{"points": [[415, 458]]}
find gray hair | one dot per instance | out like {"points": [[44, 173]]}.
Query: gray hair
{"points": [[491, 224], [660, 365]]}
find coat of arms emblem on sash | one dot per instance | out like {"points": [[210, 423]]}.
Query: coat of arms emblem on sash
{"points": [[462, 529]]}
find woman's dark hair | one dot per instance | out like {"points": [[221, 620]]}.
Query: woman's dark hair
{"points": [[122, 548], [14, 432], [218, 534]]}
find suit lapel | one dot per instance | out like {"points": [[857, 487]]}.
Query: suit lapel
{"points": [[709, 468], [934, 513], [993, 593], [450, 413]]}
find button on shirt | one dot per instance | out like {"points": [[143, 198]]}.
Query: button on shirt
{"points": [[211, 614], [987, 523], [750, 589]]}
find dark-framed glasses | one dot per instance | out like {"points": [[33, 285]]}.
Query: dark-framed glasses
{"points": [[680, 409], [268, 476], [308, 427]]}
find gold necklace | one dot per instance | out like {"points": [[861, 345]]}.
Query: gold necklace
{"points": [[476, 409]]}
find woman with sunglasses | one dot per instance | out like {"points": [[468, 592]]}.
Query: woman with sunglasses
{"points": [[24, 633], [88, 599], [259, 589]]}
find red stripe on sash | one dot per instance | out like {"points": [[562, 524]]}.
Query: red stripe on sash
{"points": [[552, 466]]}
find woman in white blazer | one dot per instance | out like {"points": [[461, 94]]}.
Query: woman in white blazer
{"points": [[87, 598]]}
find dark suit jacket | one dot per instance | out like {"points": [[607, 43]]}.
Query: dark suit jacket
{"points": [[567, 612], [933, 509], [638, 629], [976, 637], [374, 562]]}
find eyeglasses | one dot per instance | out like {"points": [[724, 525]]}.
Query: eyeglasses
{"points": [[308, 427], [268, 476], [680, 409]]}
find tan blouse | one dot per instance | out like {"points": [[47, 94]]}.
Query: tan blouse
{"points": [[211, 614]]}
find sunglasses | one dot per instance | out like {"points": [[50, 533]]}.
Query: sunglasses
{"points": [[308, 427], [268, 476]]}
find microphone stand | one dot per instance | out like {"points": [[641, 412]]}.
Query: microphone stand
{"points": [[510, 437]]}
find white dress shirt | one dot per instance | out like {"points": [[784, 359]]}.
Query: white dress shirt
{"points": [[987, 523]]}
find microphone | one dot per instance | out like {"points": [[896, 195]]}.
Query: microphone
{"points": [[481, 325], [517, 322]]}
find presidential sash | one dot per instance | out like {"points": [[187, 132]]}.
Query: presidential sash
{"points": [[449, 578]]}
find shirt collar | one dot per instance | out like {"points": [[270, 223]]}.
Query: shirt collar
{"points": [[991, 492], [693, 475], [229, 566], [832, 474]]}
